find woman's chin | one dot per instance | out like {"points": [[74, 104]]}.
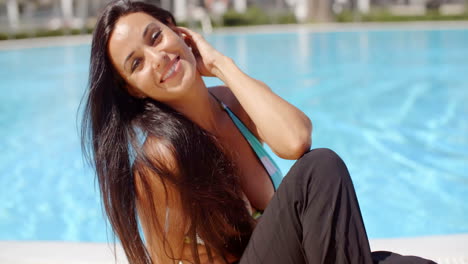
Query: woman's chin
{"points": [[176, 89], [183, 78]]}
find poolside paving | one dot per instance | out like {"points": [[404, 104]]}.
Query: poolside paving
{"points": [[447, 249]]}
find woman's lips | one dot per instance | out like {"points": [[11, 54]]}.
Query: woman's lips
{"points": [[174, 67]]}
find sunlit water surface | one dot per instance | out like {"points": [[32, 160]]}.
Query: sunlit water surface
{"points": [[393, 104]]}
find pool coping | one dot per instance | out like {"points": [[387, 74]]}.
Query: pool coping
{"points": [[16, 44], [445, 249]]}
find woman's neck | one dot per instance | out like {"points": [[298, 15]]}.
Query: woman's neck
{"points": [[199, 106]]}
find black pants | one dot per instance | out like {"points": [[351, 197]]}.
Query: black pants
{"points": [[314, 218]]}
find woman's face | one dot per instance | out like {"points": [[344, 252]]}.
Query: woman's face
{"points": [[151, 57]]}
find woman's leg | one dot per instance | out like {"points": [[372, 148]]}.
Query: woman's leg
{"points": [[314, 217]]}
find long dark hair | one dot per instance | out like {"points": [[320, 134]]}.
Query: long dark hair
{"points": [[113, 125]]}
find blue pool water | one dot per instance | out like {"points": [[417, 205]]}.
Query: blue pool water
{"points": [[393, 104]]}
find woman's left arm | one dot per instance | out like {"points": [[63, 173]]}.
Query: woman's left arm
{"points": [[285, 128]]}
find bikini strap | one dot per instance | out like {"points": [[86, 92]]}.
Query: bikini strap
{"points": [[221, 104]]}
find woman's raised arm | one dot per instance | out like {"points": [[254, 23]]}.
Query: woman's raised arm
{"points": [[285, 128]]}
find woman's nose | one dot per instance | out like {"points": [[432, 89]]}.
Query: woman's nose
{"points": [[157, 59]]}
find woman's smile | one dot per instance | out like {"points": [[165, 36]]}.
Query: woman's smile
{"points": [[171, 70]]}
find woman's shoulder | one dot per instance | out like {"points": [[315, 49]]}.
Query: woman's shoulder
{"points": [[159, 150], [225, 94], [158, 153]]}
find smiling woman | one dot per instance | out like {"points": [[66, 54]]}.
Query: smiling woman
{"points": [[187, 163], [149, 55]]}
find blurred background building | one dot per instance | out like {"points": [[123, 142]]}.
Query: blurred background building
{"points": [[30, 15]]}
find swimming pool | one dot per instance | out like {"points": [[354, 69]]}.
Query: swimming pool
{"points": [[393, 104]]}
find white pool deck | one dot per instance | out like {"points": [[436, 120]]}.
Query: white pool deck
{"points": [[447, 249]]}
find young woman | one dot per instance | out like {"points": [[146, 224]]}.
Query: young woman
{"points": [[186, 162]]}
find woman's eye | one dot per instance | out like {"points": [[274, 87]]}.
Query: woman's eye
{"points": [[155, 36], [135, 64]]}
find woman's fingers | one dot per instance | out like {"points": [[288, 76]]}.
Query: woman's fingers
{"points": [[190, 32], [195, 38], [191, 36], [206, 55]]}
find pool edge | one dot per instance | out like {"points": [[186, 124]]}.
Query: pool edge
{"points": [[444, 249], [16, 44]]}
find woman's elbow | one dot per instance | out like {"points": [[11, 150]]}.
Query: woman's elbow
{"points": [[303, 140], [298, 145]]}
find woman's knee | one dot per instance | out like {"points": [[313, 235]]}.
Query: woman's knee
{"points": [[320, 155], [322, 165]]}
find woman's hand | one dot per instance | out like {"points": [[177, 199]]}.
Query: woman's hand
{"points": [[207, 57]]}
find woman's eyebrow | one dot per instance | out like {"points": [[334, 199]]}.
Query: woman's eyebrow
{"points": [[145, 32]]}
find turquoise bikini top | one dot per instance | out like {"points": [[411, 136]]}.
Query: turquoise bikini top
{"points": [[270, 166]]}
